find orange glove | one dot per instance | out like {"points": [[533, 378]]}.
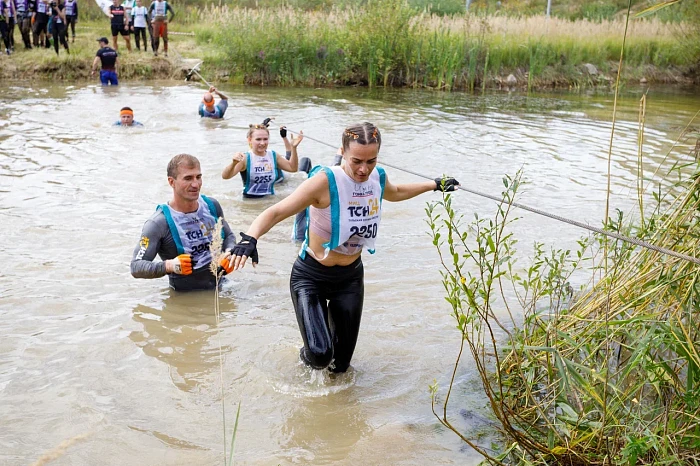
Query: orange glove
{"points": [[227, 263], [182, 264]]}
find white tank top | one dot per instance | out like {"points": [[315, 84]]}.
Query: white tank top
{"points": [[139, 14], [262, 174], [195, 230], [355, 212], [160, 9]]}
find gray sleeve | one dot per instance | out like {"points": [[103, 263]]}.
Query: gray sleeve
{"points": [[152, 236]]}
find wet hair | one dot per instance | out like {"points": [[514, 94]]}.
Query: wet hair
{"points": [[126, 108], [252, 128], [186, 160], [364, 133]]}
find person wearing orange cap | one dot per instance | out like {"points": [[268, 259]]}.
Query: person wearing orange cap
{"points": [[126, 118], [209, 109]]}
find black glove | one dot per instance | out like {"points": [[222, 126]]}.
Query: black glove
{"points": [[446, 184], [247, 246], [283, 131], [266, 122]]}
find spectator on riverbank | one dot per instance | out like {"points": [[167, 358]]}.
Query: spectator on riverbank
{"points": [[4, 24], [129, 6], [41, 23], [71, 17], [208, 108], [159, 21], [60, 32], [141, 21], [11, 21], [126, 118], [119, 24], [24, 20], [109, 62]]}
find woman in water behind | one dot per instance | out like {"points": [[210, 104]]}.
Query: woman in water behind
{"points": [[261, 168]]}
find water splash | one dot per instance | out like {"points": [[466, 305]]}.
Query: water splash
{"points": [[312, 383]]}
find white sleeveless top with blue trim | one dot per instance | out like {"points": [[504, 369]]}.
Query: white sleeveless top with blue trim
{"points": [[193, 231], [355, 212], [261, 174]]}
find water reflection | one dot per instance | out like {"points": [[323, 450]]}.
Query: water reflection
{"points": [[180, 335], [324, 430]]}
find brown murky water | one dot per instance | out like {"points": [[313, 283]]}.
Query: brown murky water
{"points": [[128, 371]]}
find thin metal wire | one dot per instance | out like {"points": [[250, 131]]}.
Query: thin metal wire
{"points": [[585, 226]]}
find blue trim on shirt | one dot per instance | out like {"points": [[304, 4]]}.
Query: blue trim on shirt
{"points": [[335, 210], [248, 169], [212, 209], [305, 244], [173, 228]]}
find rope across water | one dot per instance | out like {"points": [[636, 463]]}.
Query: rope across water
{"points": [[585, 226]]}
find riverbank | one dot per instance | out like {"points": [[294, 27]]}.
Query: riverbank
{"points": [[419, 51]]}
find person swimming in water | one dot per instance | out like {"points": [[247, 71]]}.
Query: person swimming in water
{"points": [[327, 279], [209, 108], [126, 118]]}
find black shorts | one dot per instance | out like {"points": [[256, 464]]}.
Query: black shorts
{"points": [[40, 25], [119, 29]]}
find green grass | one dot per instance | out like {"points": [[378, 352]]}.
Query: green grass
{"points": [[388, 43], [355, 46]]}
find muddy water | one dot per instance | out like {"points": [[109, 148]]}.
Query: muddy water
{"points": [[97, 367]]}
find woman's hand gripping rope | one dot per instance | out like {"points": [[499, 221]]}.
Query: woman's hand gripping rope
{"points": [[446, 184]]}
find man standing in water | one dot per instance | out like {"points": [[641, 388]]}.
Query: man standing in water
{"points": [[108, 57], [208, 108], [181, 231]]}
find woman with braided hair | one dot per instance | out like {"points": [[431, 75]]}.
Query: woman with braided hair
{"points": [[327, 279]]}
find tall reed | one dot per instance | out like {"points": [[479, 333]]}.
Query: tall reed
{"points": [[387, 43], [217, 254]]}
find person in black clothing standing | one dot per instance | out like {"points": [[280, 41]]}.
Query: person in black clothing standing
{"points": [[58, 14], [41, 22], [71, 16], [25, 9], [4, 27], [108, 57], [119, 24]]}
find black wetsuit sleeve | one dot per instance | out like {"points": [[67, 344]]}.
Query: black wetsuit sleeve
{"points": [[150, 244]]}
